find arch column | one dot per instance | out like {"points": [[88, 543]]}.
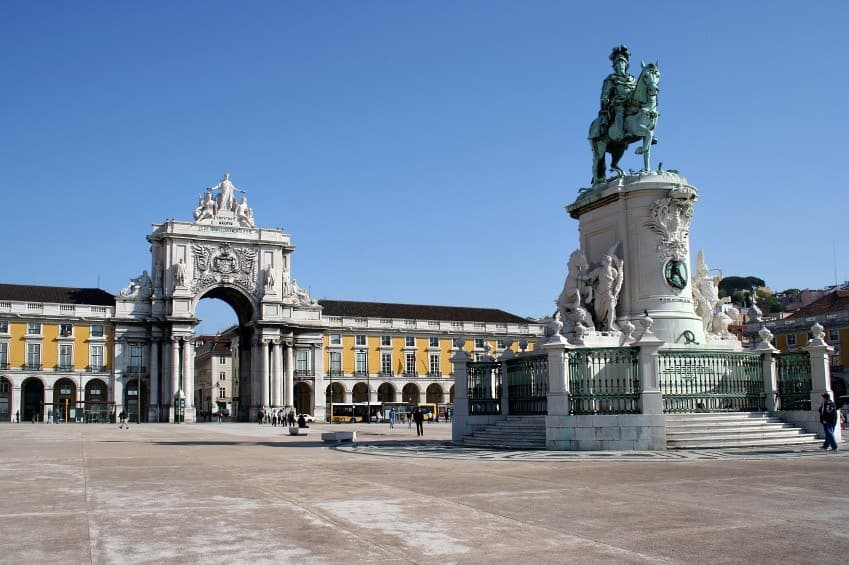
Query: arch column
{"points": [[289, 386], [189, 377], [264, 392], [153, 408], [175, 377], [14, 399], [276, 372]]}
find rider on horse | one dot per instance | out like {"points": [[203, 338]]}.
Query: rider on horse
{"points": [[615, 92]]}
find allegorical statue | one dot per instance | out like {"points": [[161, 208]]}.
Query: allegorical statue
{"points": [[226, 199], [628, 113]]}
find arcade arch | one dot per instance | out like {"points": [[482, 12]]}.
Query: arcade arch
{"points": [[96, 401], [360, 393], [386, 393], [6, 408], [434, 394], [32, 400], [64, 396], [410, 393], [303, 398]]}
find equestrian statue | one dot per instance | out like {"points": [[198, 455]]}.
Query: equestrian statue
{"points": [[628, 114]]}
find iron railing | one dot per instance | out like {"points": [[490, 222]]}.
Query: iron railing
{"points": [[527, 384], [604, 381], [711, 381], [484, 388], [794, 380]]}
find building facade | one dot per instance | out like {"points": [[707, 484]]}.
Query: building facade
{"points": [[55, 354]]}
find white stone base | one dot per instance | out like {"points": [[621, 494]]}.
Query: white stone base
{"points": [[623, 432]]}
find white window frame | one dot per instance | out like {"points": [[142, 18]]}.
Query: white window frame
{"points": [[4, 353], [91, 357], [360, 340], [97, 333], [66, 330], [791, 339], [222, 375], [386, 363], [4, 326], [302, 361], [409, 363], [33, 353], [480, 343], [33, 328], [336, 362], [386, 341], [69, 348], [361, 362], [335, 339], [836, 336], [409, 341], [433, 342], [434, 364]]}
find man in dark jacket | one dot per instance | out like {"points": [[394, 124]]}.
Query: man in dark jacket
{"points": [[828, 419]]}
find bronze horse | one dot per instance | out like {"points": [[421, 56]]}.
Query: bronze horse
{"points": [[640, 118]]}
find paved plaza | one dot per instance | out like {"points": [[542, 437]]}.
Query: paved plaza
{"points": [[241, 493]]}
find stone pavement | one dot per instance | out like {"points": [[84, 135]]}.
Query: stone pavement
{"points": [[235, 493]]}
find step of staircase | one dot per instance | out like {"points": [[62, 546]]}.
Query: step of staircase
{"points": [[731, 429], [514, 432]]}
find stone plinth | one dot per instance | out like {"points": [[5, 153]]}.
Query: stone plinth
{"points": [[648, 216]]}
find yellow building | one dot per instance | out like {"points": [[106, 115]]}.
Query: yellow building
{"points": [[832, 313], [379, 352], [55, 345]]}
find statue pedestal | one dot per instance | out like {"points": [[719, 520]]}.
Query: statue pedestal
{"points": [[649, 213]]}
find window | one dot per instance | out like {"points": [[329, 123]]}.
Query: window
{"points": [[833, 336], [4, 355], [97, 330], [135, 357], [66, 356], [335, 339], [409, 341], [433, 342], [479, 343], [456, 325], [66, 330], [96, 355], [480, 325], [335, 362], [791, 339], [359, 339], [4, 385], [222, 392], [385, 340], [222, 376], [302, 362], [33, 328], [361, 363], [222, 359], [410, 363], [4, 327], [34, 355], [385, 363], [434, 365], [500, 344]]}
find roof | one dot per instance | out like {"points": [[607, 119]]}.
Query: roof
{"points": [[418, 312], [837, 301], [56, 294]]}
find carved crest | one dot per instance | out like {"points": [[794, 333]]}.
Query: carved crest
{"points": [[671, 217], [224, 264]]}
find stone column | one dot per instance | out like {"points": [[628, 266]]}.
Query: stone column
{"points": [[48, 398], [189, 377], [558, 378], [289, 385], [263, 349], [820, 353], [651, 398], [460, 423], [770, 374], [14, 400], [153, 409], [276, 372], [175, 377], [505, 388]]}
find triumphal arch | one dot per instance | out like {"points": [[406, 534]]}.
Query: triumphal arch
{"points": [[220, 254]]}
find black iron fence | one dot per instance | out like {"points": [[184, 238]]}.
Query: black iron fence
{"points": [[527, 384], [794, 380], [604, 381], [484, 388]]}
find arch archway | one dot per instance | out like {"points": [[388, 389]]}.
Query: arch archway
{"points": [[360, 393], [410, 393], [451, 395], [338, 393], [303, 398], [135, 401], [64, 398], [96, 401], [5, 400], [434, 394], [386, 393], [32, 400]]}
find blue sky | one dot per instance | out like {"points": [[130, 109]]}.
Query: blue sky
{"points": [[418, 152]]}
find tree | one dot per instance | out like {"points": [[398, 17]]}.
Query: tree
{"points": [[739, 288]]}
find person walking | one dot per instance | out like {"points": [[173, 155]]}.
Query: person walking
{"points": [[418, 416], [122, 416], [828, 419], [391, 418], [291, 417], [260, 416], [18, 417]]}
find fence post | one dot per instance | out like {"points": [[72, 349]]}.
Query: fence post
{"points": [[505, 383], [460, 418], [769, 370], [651, 398], [558, 379], [820, 353]]}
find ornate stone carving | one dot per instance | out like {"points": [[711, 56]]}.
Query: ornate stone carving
{"points": [[223, 207], [706, 298], [671, 217], [224, 264], [765, 334], [139, 288], [606, 278], [268, 280]]}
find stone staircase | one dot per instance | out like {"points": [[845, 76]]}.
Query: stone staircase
{"points": [[731, 429], [514, 432]]}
